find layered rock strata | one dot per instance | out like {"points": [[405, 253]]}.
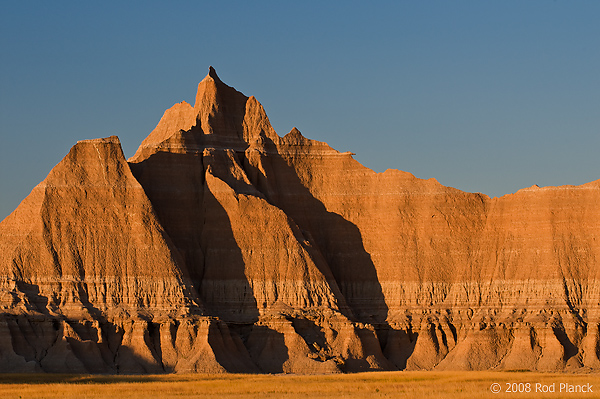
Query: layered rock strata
{"points": [[222, 247]]}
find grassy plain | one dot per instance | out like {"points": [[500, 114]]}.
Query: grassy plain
{"points": [[417, 384]]}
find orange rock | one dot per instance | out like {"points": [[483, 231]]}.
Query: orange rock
{"points": [[222, 247]]}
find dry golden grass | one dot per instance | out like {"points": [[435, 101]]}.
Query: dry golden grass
{"points": [[420, 384]]}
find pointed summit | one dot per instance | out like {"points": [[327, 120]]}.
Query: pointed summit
{"points": [[212, 91], [224, 111], [209, 85], [220, 111], [213, 74]]}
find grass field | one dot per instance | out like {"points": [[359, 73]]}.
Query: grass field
{"points": [[418, 384]]}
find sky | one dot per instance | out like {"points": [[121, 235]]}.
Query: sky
{"points": [[484, 96]]}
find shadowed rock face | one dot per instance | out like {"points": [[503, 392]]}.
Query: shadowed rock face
{"points": [[222, 247]]}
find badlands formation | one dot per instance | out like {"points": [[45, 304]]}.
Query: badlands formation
{"points": [[222, 247]]}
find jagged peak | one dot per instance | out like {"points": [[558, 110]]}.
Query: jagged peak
{"points": [[212, 90], [211, 78], [212, 73], [218, 109]]}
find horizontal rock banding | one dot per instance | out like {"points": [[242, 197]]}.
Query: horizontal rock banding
{"points": [[222, 247]]}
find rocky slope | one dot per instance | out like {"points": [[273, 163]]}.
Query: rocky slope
{"points": [[222, 247]]}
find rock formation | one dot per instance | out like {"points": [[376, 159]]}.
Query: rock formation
{"points": [[222, 247]]}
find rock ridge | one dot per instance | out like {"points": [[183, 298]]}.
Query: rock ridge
{"points": [[222, 247]]}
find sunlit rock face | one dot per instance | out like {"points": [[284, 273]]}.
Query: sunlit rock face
{"points": [[221, 246]]}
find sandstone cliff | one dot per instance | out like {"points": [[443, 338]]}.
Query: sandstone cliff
{"points": [[222, 247]]}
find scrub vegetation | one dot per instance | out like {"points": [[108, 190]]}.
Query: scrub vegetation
{"points": [[413, 384]]}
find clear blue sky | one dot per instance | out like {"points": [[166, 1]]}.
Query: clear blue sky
{"points": [[485, 96]]}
